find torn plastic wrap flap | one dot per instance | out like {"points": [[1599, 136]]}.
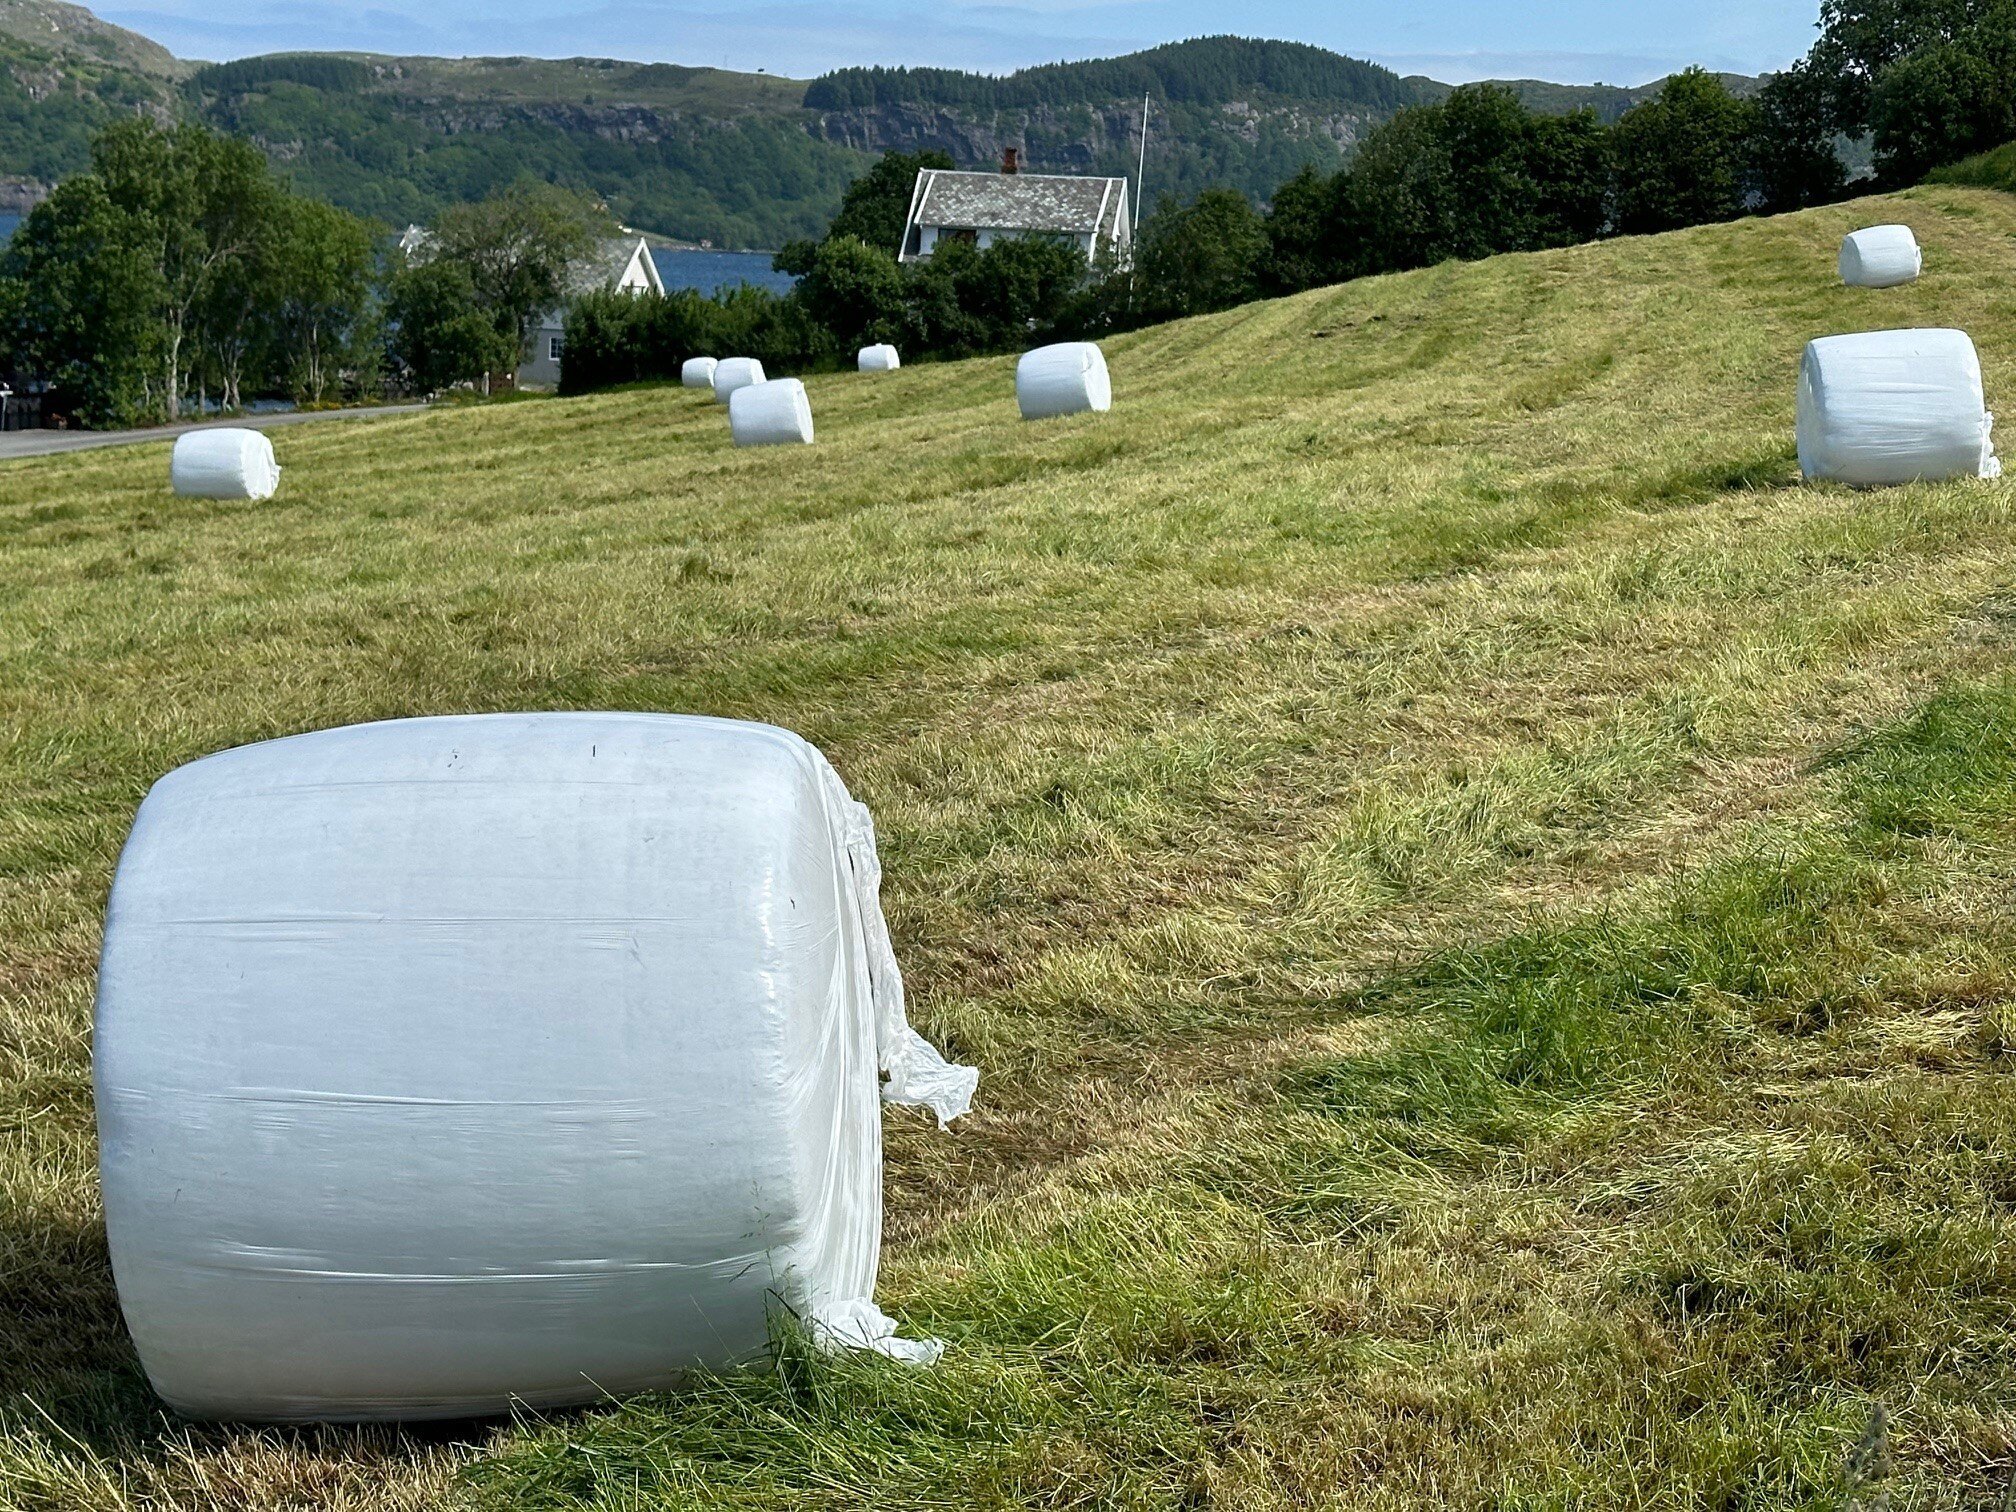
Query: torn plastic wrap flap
{"points": [[449, 1064]]}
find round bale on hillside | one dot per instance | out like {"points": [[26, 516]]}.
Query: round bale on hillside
{"points": [[227, 462], [880, 358], [1067, 379], [697, 372], [733, 373], [446, 1065], [1884, 407], [776, 413], [1880, 257]]}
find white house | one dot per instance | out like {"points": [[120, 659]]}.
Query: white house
{"points": [[982, 208], [620, 264]]}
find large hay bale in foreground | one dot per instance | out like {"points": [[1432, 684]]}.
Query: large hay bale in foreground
{"points": [[1880, 257], [697, 372], [1894, 407], [880, 358], [446, 1064], [1067, 379], [733, 373], [776, 413], [225, 462]]}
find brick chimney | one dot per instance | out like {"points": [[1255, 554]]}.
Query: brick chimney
{"points": [[1011, 160]]}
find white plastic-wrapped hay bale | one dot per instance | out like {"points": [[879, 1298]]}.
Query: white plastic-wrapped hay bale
{"points": [[734, 373], [1067, 379], [225, 462], [1894, 407], [697, 372], [775, 413], [880, 358], [449, 1063], [1880, 257]]}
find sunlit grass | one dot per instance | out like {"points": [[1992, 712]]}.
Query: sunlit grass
{"points": [[1481, 903]]}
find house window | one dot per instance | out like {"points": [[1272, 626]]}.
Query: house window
{"points": [[553, 348]]}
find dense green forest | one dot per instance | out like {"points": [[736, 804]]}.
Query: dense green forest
{"points": [[340, 134], [1206, 70]]}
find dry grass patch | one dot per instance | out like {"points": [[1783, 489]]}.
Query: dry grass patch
{"points": [[1230, 752]]}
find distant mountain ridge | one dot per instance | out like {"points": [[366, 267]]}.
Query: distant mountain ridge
{"points": [[698, 153]]}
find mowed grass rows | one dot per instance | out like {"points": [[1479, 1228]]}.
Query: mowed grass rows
{"points": [[1481, 903]]}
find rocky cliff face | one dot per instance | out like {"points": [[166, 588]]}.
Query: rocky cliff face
{"points": [[1076, 139]]}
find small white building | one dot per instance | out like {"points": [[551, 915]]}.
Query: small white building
{"points": [[621, 264], [983, 208]]}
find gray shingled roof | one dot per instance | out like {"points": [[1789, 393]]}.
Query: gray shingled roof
{"points": [[1019, 201], [602, 267]]}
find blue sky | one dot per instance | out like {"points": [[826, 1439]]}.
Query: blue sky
{"points": [[1574, 41]]}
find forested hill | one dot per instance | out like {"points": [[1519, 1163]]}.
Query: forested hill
{"points": [[743, 160]]}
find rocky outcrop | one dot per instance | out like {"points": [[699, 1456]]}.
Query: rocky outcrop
{"points": [[1071, 139], [20, 195]]}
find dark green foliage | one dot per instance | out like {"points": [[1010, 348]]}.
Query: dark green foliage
{"points": [[518, 246], [877, 203], [1206, 69], [617, 338], [315, 70], [1475, 175], [1930, 80], [177, 269], [1206, 255], [1299, 226], [1946, 101], [440, 334], [1681, 158], [1794, 161], [959, 302], [855, 290], [81, 298]]}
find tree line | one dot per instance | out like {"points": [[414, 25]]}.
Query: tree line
{"points": [[1207, 69], [179, 275]]}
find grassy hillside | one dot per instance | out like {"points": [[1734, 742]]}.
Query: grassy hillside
{"points": [[1995, 169], [1482, 903]]}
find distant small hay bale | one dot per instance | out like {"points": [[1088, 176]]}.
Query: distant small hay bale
{"points": [[734, 373], [776, 413], [881, 358], [229, 462], [697, 372], [1882, 407], [1880, 257], [1067, 379]]}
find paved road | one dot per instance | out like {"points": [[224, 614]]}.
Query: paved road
{"points": [[41, 443]]}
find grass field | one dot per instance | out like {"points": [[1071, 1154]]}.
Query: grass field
{"points": [[1483, 905]]}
